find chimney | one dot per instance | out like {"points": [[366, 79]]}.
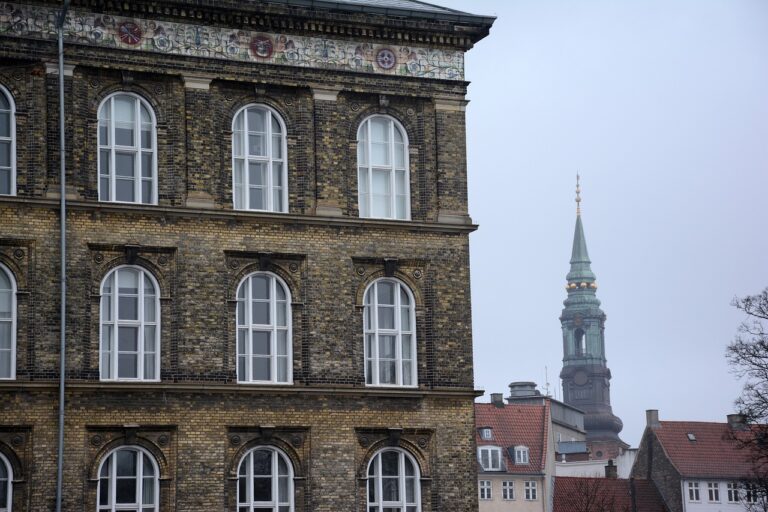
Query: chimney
{"points": [[497, 399], [737, 421], [611, 471], [652, 418], [523, 390]]}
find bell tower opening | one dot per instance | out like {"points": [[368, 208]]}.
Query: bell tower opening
{"points": [[580, 342]]}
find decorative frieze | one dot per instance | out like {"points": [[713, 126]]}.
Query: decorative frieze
{"points": [[124, 33]]}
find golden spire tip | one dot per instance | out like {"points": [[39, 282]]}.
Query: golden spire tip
{"points": [[578, 195]]}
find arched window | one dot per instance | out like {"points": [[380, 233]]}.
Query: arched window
{"points": [[129, 480], [265, 481], [580, 342], [393, 482], [382, 169], [7, 324], [130, 325], [389, 325], [259, 160], [7, 143], [264, 330], [6, 484], [127, 154]]}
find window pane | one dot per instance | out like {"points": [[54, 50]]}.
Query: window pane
{"points": [[149, 338], [124, 109], [283, 490], [260, 285], [106, 352], [5, 335], [104, 189], [124, 164], [405, 318], [5, 104], [5, 181], [261, 345], [5, 123], [124, 190], [407, 373], [148, 492], [389, 489], [103, 133], [238, 192], [149, 366], [127, 341], [128, 281], [128, 308], [261, 370], [125, 490], [262, 489], [282, 343], [5, 299], [385, 292], [260, 313], [146, 164], [410, 490], [281, 314], [104, 488], [387, 347], [146, 136], [146, 191], [380, 154], [386, 317], [242, 336], [104, 161], [387, 372], [399, 155], [257, 174], [149, 308], [380, 129], [127, 366], [282, 369], [256, 145], [277, 146], [126, 462], [257, 198], [262, 462], [5, 363], [256, 120], [123, 134], [5, 153]]}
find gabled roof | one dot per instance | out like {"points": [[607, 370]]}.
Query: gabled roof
{"points": [[714, 453], [572, 494], [516, 425]]}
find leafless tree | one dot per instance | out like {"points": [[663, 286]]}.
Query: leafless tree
{"points": [[595, 495]]}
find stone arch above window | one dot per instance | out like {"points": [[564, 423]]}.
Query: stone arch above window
{"points": [[7, 143], [383, 176], [127, 157], [259, 159], [129, 320]]}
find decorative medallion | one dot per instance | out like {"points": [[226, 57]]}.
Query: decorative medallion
{"points": [[296, 441], [234, 440], [163, 439], [262, 46], [98, 257], [233, 264], [288, 101], [18, 254], [129, 33], [17, 440], [385, 58], [163, 260], [354, 107], [364, 441], [360, 271], [423, 442], [417, 274], [293, 267], [96, 440], [410, 112]]}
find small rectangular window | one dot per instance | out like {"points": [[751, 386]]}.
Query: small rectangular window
{"points": [[713, 491], [733, 492], [750, 493], [485, 489], [693, 491], [531, 491], [486, 433], [508, 490]]}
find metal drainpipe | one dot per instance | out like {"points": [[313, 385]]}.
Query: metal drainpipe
{"points": [[63, 262]]}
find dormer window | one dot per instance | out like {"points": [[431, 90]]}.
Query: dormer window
{"points": [[489, 458], [486, 433], [522, 455]]}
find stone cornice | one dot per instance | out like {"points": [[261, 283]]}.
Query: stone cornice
{"points": [[149, 34], [242, 216]]}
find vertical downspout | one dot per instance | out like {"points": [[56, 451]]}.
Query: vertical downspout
{"points": [[63, 262]]}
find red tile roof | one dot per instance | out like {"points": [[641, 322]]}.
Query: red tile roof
{"points": [[516, 425], [714, 454], [575, 494]]}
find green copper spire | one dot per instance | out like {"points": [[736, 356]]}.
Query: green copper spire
{"points": [[581, 272]]}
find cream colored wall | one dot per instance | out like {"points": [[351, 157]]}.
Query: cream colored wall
{"points": [[519, 504]]}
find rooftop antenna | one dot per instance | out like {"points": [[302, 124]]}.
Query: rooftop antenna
{"points": [[578, 194], [546, 382]]}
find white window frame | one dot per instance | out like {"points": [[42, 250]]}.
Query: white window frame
{"points": [[486, 490], [750, 494], [522, 455], [376, 479], [531, 490], [491, 450], [732, 489], [365, 164], [248, 325], [7, 504], [141, 324], [136, 149], [508, 490], [113, 506], [371, 329], [693, 492], [269, 160], [13, 320], [275, 504], [12, 139], [713, 492], [486, 434]]}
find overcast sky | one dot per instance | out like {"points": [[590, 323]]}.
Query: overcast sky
{"points": [[662, 106]]}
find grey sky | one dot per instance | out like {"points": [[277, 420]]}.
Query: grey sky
{"points": [[662, 105]]}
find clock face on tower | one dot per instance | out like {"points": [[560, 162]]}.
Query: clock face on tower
{"points": [[580, 378]]}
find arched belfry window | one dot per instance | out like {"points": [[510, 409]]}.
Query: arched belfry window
{"points": [[127, 154], [264, 352], [7, 324], [393, 482], [382, 169], [129, 481], [6, 484], [7, 143], [389, 328], [130, 325], [259, 160], [265, 481], [580, 342]]}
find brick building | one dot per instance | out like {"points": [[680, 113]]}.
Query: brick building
{"points": [[267, 268]]}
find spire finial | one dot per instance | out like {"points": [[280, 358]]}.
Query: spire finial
{"points": [[578, 195]]}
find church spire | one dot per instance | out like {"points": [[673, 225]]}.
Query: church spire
{"points": [[581, 271]]}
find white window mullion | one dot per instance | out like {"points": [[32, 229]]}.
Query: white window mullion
{"points": [[379, 482], [268, 183], [140, 330], [392, 172], [112, 480], [375, 347], [140, 477], [369, 169], [398, 337], [249, 338], [401, 479], [116, 322], [137, 153], [273, 329], [112, 158]]}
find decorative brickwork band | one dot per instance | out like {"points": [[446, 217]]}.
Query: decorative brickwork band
{"points": [[92, 29]]}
